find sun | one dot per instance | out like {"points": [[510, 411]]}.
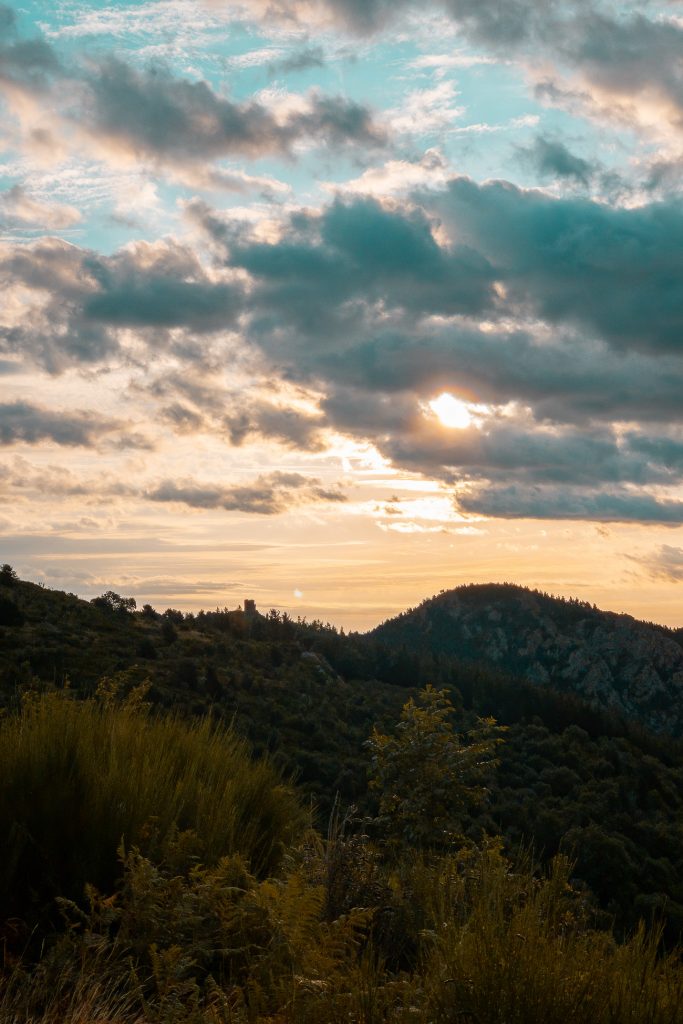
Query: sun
{"points": [[450, 411]]}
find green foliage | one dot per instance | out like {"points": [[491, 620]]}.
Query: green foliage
{"points": [[495, 943], [113, 602], [80, 776], [571, 777], [8, 576], [506, 947], [427, 774]]}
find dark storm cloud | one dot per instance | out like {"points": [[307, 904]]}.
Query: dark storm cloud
{"points": [[550, 158], [665, 175], [155, 114], [568, 261], [508, 450], [366, 303], [505, 448], [361, 278], [566, 379], [579, 262], [498, 22], [165, 302], [362, 16], [508, 22], [21, 421], [267, 495], [326, 271], [607, 506]]}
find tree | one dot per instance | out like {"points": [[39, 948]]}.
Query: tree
{"points": [[427, 774], [7, 575], [111, 601]]}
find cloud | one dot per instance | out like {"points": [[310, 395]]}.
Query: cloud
{"points": [[380, 306], [550, 158], [27, 65], [48, 482], [605, 506], [575, 261], [427, 111], [665, 564], [120, 113], [288, 426], [244, 417], [74, 302], [300, 60], [362, 270], [23, 422], [397, 176], [563, 378], [441, 63], [18, 209], [632, 65], [509, 448], [324, 272], [153, 114], [626, 65], [267, 495]]}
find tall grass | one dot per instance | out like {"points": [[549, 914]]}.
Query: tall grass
{"points": [[495, 945], [508, 948], [80, 777]]}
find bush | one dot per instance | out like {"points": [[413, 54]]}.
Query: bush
{"points": [[81, 776], [510, 948]]}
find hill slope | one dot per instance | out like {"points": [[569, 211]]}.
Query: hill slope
{"points": [[612, 661], [571, 777]]}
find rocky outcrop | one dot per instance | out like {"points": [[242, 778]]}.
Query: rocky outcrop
{"points": [[613, 661]]}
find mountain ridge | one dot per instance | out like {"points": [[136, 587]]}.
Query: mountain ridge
{"points": [[575, 779], [610, 659]]}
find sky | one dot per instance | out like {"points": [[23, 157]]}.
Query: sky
{"points": [[334, 304]]}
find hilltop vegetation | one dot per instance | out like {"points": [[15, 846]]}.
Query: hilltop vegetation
{"points": [[249, 917], [613, 661], [572, 780]]}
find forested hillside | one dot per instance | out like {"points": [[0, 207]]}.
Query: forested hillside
{"points": [[612, 661], [570, 778]]}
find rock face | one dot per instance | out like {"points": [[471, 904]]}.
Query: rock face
{"points": [[613, 661]]}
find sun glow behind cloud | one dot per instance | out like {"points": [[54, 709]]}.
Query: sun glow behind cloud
{"points": [[455, 414]]}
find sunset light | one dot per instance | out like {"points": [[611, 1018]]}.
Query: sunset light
{"points": [[451, 411], [267, 265]]}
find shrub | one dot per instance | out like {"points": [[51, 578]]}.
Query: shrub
{"points": [[506, 947], [80, 776]]}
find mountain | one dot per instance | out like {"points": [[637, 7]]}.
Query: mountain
{"points": [[575, 775], [614, 662]]}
